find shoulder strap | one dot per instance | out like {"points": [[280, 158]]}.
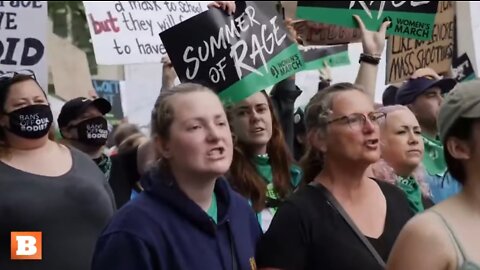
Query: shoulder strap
{"points": [[457, 243], [332, 201]]}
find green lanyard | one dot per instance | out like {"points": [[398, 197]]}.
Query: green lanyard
{"points": [[414, 194]]}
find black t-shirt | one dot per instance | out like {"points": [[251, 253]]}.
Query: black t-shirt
{"points": [[124, 175], [308, 233]]}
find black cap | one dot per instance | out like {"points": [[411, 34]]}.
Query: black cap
{"points": [[389, 95], [72, 109], [413, 88]]}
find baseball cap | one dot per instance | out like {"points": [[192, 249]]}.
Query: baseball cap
{"points": [[75, 107], [389, 95], [413, 88], [462, 102]]}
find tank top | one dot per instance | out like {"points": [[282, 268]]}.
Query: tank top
{"points": [[466, 263]]}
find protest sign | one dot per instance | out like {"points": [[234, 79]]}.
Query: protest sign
{"points": [[316, 56], [234, 55], [312, 33], [110, 90], [412, 19], [405, 55], [23, 28], [463, 68], [126, 32]]}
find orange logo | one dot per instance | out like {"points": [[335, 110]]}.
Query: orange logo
{"points": [[26, 245]]}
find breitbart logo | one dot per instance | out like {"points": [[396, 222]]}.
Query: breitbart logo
{"points": [[26, 245]]}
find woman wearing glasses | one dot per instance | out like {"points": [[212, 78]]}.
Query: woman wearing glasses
{"points": [[44, 186], [311, 229]]}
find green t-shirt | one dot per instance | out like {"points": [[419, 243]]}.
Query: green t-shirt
{"points": [[212, 210], [413, 192], [434, 159], [262, 163]]}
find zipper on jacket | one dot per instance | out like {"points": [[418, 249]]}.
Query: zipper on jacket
{"points": [[232, 247]]}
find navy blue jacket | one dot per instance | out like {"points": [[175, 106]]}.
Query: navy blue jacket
{"points": [[164, 229]]}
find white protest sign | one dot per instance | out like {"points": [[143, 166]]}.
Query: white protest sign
{"points": [[23, 35], [127, 32]]}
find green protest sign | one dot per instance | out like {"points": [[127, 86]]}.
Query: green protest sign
{"points": [[410, 19], [316, 56]]}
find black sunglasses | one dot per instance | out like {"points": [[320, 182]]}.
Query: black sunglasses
{"points": [[13, 74]]}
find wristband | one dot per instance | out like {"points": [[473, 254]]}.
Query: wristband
{"points": [[374, 60]]}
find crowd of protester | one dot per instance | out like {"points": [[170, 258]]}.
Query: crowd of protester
{"points": [[260, 184]]}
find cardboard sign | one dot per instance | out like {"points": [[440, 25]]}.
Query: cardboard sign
{"points": [[126, 32], [405, 56], [316, 56], [234, 55], [23, 36], [312, 33], [412, 19], [463, 68], [110, 90]]}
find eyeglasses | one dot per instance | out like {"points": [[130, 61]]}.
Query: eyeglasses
{"points": [[357, 121], [13, 74]]}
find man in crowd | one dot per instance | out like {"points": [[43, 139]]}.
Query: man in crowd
{"points": [[424, 95], [83, 125]]}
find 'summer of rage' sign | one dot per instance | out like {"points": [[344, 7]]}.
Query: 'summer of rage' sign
{"points": [[411, 19], [234, 55], [126, 32]]}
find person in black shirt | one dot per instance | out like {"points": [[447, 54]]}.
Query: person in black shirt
{"points": [[307, 232], [83, 125]]}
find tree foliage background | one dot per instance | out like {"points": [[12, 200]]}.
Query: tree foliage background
{"points": [[70, 22]]}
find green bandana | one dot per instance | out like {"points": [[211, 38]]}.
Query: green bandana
{"points": [[105, 164], [262, 162], [414, 194], [433, 159], [212, 210]]}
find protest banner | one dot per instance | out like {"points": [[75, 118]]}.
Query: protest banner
{"points": [[234, 55], [23, 28], [411, 19], [126, 32], [463, 68], [316, 56], [312, 33], [405, 55], [110, 90]]}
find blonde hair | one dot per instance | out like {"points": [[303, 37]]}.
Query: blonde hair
{"points": [[383, 171], [163, 112]]}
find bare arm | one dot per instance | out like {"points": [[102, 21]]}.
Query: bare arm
{"points": [[423, 244], [373, 44], [168, 73]]}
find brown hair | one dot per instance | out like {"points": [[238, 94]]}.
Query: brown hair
{"points": [[163, 112], [5, 85], [462, 129], [243, 173], [124, 131], [316, 119]]}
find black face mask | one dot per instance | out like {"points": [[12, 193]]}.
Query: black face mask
{"points": [[31, 122], [93, 131]]}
